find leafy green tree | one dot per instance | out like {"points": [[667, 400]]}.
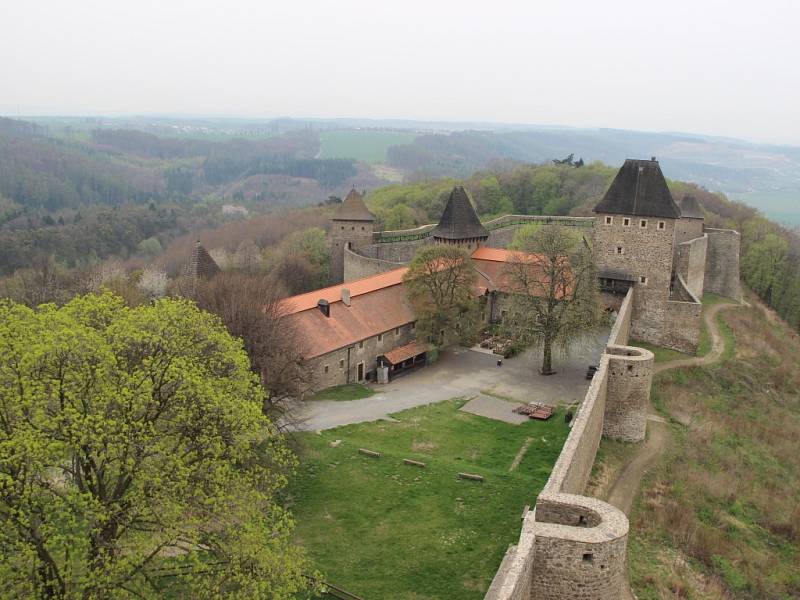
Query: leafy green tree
{"points": [[553, 299], [763, 263], [440, 284], [135, 461]]}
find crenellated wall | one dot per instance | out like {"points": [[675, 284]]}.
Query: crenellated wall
{"points": [[573, 546], [722, 263]]}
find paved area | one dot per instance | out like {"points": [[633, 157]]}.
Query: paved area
{"points": [[494, 408], [460, 372]]}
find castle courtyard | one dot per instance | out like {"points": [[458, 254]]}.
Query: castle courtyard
{"points": [[464, 373]]}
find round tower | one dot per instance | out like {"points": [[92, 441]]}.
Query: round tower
{"points": [[460, 224], [351, 227]]}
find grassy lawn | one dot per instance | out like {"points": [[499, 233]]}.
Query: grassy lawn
{"points": [[369, 146], [349, 391], [385, 530]]}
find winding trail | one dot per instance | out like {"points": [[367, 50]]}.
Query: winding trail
{"points": [[623, 491]]}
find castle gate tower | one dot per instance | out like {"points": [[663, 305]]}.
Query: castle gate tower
{"points": [[351, 227], [460, 224], [634, 235]]}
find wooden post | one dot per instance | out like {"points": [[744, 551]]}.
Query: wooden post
{"points": [[414, 463], [370, 453], [470, 476]]}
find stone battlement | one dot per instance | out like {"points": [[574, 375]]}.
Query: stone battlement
{"points": [[571, 545]]}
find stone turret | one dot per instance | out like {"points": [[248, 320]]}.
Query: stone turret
{"points": [[460, 224], [351, 227], [633, 242]]}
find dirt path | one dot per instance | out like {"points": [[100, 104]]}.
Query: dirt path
{"points": [[623, 491]]}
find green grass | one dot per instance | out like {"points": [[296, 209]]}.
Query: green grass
{"points": [[368, 146], [349, 391], [718, 515], [381, 529]]}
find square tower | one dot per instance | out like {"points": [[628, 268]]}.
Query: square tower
{"points": [[634, 235], [351, 227]]}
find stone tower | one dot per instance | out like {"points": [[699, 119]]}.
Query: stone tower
{"points": [[460, 224], [690, 225], [351, 227], [634, 234]]}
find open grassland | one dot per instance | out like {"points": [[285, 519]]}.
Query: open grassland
{"points": [[366, 145], [718, 517], [385, 530]]}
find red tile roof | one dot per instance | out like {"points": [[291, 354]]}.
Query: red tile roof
{"points": [[401, 353]]}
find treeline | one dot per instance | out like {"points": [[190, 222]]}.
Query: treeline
{"points": [[523, 189]]}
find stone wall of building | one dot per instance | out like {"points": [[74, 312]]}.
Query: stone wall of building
{"points": [[690, 262], [641, 248], [357, 265], [572, 546], [722, 263], [688, 229], [342, 364], [630, 376]]}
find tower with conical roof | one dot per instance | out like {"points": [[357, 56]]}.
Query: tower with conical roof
{"points": [[351, 227], [460, 224], [633, 243]]}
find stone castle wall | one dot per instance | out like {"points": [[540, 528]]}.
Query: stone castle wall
{"points": [[344, 235], [683, 321], [572, 546], [358, 266], [690, 263], [722, 263]]}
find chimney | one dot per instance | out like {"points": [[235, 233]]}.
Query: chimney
{"points": [[324, 307], [346, 296], [653, 158]]}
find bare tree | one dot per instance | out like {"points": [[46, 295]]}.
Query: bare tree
{"points": [[249, 306], [553, 298]]}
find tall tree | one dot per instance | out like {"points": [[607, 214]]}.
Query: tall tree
{"points": [[440, 284], [135, 461], [249, 306], [553, 297]]}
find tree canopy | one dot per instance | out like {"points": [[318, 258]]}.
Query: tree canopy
{"points": [[553, 291], [440, 281], [135, 460]]}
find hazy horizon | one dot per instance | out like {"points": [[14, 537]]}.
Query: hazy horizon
{"points": [[716, 68]]}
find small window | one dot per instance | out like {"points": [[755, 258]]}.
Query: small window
{"points": [[363, 228], [326, 369], [643, 223], [609, 220], [626, 222], [397, 331], [662, 225], [341, 364], [620, 250], [353, 228], [380, 337], [643, 280], [413, 326], [361, 344], [588, 557]]}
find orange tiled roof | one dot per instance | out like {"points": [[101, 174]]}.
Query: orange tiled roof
{"points": [[494, 254], [333, 293], [401, 353]]}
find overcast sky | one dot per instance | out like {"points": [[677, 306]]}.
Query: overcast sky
{"points": [[719, 67]]}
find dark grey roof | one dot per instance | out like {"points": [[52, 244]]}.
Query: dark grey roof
{"points": [[201, 265], [459, 220], [639, 189], [353, 209], [690, 208]]}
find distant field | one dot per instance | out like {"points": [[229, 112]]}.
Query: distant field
{"points": [[783, 207], [369, 146], [382, 529]]}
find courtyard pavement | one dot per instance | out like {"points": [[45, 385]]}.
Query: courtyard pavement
{"points": [[461, 372]]}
